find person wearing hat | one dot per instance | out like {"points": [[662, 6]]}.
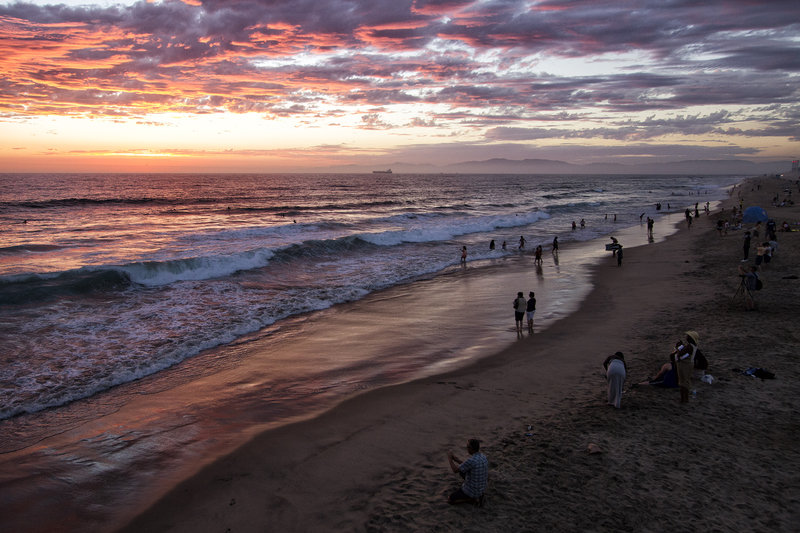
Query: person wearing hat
{"points": [[684, 361]]}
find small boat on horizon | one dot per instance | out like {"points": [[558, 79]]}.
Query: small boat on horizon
{"points": [[387, 171]]}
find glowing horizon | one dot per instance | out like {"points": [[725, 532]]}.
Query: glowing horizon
{"points": [[300, 85]]}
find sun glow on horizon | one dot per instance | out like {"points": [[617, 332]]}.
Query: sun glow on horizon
{"points": [[138, 80]]}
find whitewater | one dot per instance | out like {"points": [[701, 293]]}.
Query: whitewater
{"points": [[105, 279]]}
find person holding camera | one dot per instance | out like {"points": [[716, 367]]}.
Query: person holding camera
{"points": [[475, 471]]}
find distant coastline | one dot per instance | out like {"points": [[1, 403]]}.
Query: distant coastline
{"points": [[730, 167]]}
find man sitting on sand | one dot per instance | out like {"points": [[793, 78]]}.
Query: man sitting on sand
{"points": [[475, 472]]}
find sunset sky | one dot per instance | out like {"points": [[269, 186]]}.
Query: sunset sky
{"points": [[298, 85]]}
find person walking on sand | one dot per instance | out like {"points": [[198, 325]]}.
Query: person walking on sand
{"points": [[530, 310], [537, 255], [521, 242], [619, 256], [555, 244], [463, 255], [520, 305], [475, 471], [616, 371]]}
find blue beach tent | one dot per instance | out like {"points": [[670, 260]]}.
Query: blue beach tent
{"points": [[754, 214]]}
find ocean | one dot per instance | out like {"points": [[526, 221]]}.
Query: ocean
{"points": [[114, 287]]}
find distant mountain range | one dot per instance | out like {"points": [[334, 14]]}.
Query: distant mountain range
{"points": [[548, 166]]}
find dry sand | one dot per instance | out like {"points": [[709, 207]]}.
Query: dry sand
{"points": [[727, 461]]}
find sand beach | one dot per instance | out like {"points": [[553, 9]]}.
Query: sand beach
{"points": [[726, 461]]}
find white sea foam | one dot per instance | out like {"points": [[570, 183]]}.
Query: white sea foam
{"points": [[199, 268], [201, 276]]}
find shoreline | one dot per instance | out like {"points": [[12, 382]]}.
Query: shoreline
{"points": [[163, 425], [375, 462]]}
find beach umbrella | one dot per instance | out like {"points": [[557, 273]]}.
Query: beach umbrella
{"points": [[754, 214]]}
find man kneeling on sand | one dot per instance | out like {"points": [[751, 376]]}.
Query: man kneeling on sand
{"points": [[475, 472]]}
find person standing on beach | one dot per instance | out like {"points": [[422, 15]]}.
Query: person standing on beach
{"points": [[614, 246], [463, 255], [616, 371], [521, 242], [761, 251], [475, 472], [684, 360], [537, 255], [520, 305], [619, 256], [555, 244], [530, 310], [746, 246]]}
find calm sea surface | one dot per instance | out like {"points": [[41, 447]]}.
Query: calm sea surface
{"points": [[105, 279]]}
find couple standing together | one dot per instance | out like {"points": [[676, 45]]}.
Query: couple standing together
{"points": [[524, 307]]}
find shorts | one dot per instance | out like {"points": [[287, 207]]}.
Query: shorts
{"points": [[519, 316], [530, 314]]}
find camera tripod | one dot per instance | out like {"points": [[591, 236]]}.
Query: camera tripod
{"points": [[744, 292]]}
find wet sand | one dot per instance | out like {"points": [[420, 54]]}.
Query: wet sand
{"points": [[95, 463], [726, 461]]}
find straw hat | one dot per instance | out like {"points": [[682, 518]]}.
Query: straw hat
{"points": [[694, 335]]}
